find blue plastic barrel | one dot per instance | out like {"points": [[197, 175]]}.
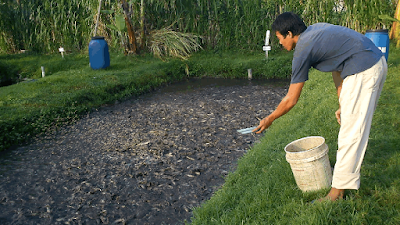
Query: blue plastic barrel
{"points": [[380, 39], [99, 58]]}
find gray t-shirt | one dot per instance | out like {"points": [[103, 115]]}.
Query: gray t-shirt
{"points": [[328, 48]]}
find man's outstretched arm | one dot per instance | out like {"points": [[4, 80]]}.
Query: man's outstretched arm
{"points": [[287, 103]]}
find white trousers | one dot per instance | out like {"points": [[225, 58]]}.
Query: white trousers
{"points": [[358, 99]]}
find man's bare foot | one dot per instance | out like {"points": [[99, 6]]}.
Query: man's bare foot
{"points": [[333, 195]]}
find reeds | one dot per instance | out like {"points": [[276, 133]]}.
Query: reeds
{"points": [[44, 26], [362, 15]]}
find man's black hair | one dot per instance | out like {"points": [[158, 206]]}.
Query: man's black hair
{"points": [[288, 21]]}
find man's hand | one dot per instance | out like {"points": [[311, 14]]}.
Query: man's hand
{"points": [[264, 124], [337, 113]]}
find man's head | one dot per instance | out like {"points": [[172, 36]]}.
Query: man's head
{"points": [[288, 26], [288, 21]]}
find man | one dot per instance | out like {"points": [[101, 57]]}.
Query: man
{"points": [[358, 69]]}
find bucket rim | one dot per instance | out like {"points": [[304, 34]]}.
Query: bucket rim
{"points": [[307, 160], [303, 139]]}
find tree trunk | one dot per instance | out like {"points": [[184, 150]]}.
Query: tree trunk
{"points": [[132, 48]]}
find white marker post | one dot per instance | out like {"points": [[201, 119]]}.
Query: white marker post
{"points": [[250, 74], [266, 47], [43, 73], [61, 49]]}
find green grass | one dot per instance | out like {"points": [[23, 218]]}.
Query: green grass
{"points": [[71, 88], [235, 64], [263, 191]]}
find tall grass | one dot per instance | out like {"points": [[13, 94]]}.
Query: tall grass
{"points": [[222, 24], [45, 25], [362, 15]]}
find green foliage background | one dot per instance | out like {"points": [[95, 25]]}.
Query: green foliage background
{"points": [[45, 25]]}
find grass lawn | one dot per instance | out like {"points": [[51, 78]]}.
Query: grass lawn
{"points": [[263, 191]]}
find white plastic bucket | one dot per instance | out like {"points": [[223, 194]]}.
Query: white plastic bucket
{"points": [[309, 160]]}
